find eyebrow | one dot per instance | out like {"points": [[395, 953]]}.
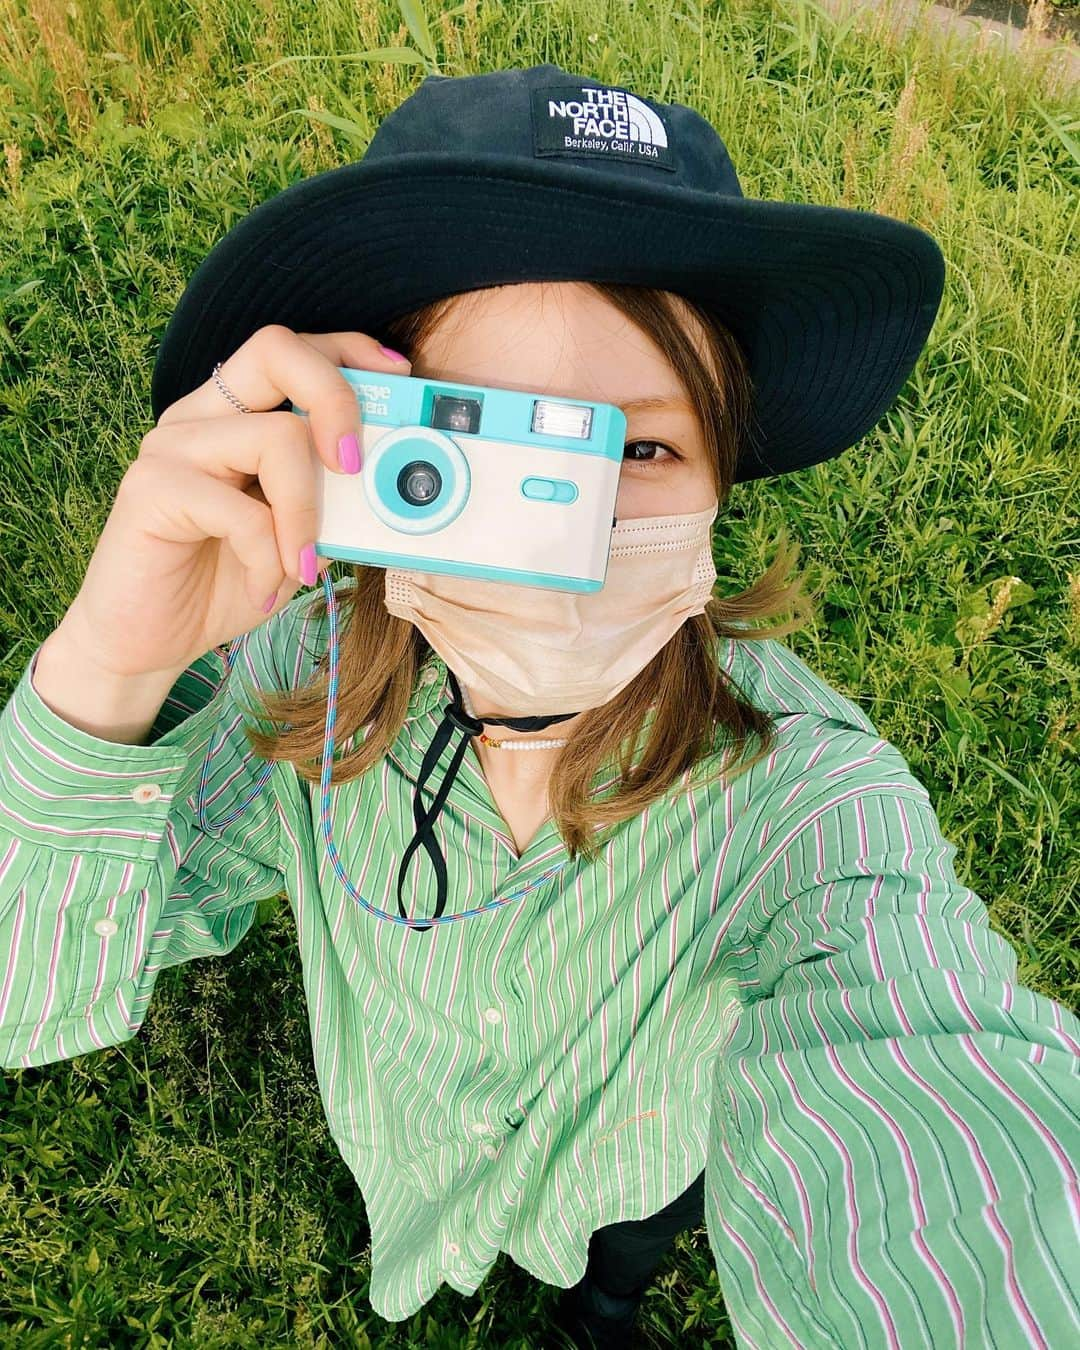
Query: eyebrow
{"points": [[652, 404]]}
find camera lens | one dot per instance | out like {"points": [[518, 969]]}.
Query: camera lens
{"points": [[419, 482]]}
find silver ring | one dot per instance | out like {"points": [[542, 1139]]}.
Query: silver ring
{"points": [[228, 392]]}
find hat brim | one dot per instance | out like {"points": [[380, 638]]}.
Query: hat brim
{"points": [[831, 306]]}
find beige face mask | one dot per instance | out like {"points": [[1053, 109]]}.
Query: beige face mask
{"points": [[535, 651]]}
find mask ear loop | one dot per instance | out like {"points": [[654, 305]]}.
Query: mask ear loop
{"points": [[455, 715]]}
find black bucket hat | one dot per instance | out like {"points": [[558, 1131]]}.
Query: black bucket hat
{"points": [[537, 174]]}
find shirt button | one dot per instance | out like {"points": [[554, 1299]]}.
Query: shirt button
{"points": [[105, 927], [452, 1249], [480, 1129], [492, 1015], [490, 1151], [146, 792]]}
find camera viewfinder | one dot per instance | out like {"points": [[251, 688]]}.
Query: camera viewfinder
{"points": [[455, 414]]}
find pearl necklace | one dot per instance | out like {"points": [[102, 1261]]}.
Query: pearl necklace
{"points": [[505, 744]]}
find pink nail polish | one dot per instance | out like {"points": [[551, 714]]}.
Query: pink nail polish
{"points": [[349, 453], [393, 355], [308, 565]]}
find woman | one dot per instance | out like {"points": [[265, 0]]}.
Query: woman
{"points": [[637, 978]]}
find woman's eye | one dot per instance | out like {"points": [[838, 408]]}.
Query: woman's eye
{"points": [[668, 455]]}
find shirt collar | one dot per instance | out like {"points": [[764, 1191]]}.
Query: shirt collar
{"points": [[432, 690]]}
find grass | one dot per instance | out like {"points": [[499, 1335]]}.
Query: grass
{"points": [[183, 1189]]}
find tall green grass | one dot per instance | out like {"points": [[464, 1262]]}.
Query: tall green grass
{"points": [[183, 1189]]}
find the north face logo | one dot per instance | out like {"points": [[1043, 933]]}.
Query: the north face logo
{"points": [[593, 121]]}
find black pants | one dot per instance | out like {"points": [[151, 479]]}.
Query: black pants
{"points": [[623, 1256]]}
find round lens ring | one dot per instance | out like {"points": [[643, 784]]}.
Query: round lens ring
{"points": [[419, 482], [392, 494]]}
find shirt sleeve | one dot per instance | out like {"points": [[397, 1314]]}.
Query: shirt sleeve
{"points": [[895, 1135], [105, 876]]}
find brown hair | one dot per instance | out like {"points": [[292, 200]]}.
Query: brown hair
{"points": [[380, 655]]}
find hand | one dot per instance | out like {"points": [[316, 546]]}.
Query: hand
{"points": [[210, 518]]}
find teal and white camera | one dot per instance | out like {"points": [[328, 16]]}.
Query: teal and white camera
{"points": [[474, 481]]}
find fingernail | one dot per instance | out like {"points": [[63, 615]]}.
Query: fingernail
{"points": [[348, 450], [393, 355], [307, 565], [270, 603]]}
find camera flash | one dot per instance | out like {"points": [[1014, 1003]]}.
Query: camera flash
{"points": [[562, 419]]}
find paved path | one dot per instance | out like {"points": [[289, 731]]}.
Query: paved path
{"points": [[1063, 69]]}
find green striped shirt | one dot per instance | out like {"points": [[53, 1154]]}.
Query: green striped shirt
{"points": [[780, 982]]}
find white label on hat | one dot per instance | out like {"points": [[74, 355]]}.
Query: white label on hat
{"points": [[591, 121]]}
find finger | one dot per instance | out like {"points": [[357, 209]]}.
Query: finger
{"points": [[201, 507], [355, 350], [271, 452], [275, 364], [284, 541]]}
